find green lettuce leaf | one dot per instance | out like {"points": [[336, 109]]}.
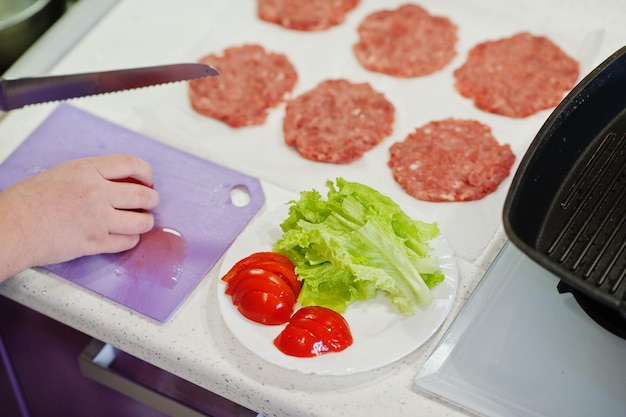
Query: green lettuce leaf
{"points": [[356, 242]]}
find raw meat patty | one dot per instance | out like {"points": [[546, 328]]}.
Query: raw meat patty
{"points": [[251, 81], [516, 76], [450, 160], [337, 121], [406, 42], [307, 15]]}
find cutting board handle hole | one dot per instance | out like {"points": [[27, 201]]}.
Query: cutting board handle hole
{"points": [[240, 196]]}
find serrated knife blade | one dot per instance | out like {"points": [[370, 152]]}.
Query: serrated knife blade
{"points": [[20, 92]]}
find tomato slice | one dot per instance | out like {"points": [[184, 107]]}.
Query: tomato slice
{"points": [[314, 331], [266, 282], [254, 258], [285, 273], [330, 320], [264, 287], [329, 337], [262, 296], [298, 342], [265, 308]]}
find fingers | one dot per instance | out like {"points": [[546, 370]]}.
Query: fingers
{"points": [[123, 166], [129, 196], [131, 181], [131, 223], [119, 243]]}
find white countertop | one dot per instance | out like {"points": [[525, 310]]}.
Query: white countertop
{"points": [[196, 344]]}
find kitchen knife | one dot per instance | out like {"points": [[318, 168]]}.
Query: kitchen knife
{"points": [[19, 92]]}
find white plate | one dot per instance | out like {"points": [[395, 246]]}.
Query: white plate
{"points": [[381, 334]]}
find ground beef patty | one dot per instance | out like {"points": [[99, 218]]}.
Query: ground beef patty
{"points": [[337, 121], [406, 42], [309, 15], [450, 160], [251, 81], [516, 76]]}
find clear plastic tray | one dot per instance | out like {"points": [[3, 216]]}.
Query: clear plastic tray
{"points": [[519, 348]]}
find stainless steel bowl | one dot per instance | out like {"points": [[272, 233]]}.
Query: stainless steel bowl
{"points": [[22, 22]]}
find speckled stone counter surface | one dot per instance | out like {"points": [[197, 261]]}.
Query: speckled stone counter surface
{"points": [[195, 343]]}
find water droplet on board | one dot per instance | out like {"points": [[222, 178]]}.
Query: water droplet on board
{"points": [[30, 170], [158, 257]]}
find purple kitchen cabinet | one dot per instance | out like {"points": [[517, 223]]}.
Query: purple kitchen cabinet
{"points": [[9, 401], [47, 367]]}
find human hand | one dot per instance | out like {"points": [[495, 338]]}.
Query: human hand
{"points": [[80, 207]]}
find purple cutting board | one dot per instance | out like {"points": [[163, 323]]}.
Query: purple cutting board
{"points": [[195, 201]]}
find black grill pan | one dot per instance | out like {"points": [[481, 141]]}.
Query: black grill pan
{"points": [[566, 208]]}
